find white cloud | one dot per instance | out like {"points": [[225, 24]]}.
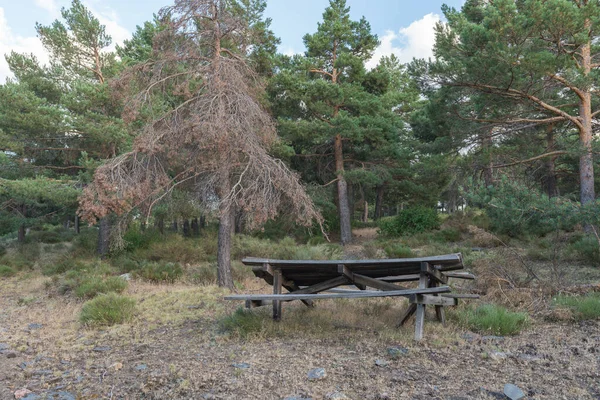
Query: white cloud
{"points": [[413, 41], [50, 6], [110, 20], [288, 51], [11, 42]]}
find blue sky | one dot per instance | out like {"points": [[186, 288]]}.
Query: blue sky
{"points": [[403, 26]]}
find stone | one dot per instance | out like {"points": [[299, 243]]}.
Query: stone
{"points": [[31, 396], [381, 363], [126, 277], [60, 395], [337, 396], [492, 338], [141, 367], [513, 392], [42, 372], [241, 365], [4, 346], [11, 354], [316, 374], [19, 394], [101, 349], [397, 351], [32, 327], [297, 398], [498, 355]]}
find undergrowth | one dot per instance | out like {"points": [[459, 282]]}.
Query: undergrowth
{"points": [[109, 309], [492, 319]]}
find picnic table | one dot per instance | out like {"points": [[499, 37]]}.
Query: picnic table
{"points": [[309, 280]]}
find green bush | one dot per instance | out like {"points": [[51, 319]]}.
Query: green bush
{"points": [[54, 235], [586, 248], [86, 243], [2, 250], [160, 271], [174, 248], [448, 235], [6, 271], [92, 286], [107, 309], [65, 264], [410, 221], [583, 307], [493, 319], [136, 238], [398, 250]]}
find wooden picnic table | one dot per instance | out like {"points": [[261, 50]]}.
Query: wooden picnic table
{"points": [[309, 280]]}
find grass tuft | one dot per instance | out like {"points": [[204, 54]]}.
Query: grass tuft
{"points": [[107, 309], [6, 271], [583, 307], [92, 286], [493, 319]]}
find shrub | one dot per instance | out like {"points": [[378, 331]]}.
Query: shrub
{"points": [[92, 286], [86, 242], [583, 307], [398, 250], [448, 235], [160, 271], [107, 309], [63, 265], [586, 248], [2, 250], [410, 221], [174, 248], [136, 238], [6, 271], [493, 319]]}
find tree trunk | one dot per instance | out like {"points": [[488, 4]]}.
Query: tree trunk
{"points": [[586, 160], [186, 228], [202, 222], [239, 222], [174, 226], [342, 186], [77, 229], [366, 212], [195, 227], [103, 237], [225, 278], [379, 202], [160, 224], [21, 233], [486, 144], [550, 165]]}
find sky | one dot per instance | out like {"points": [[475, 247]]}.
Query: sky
{"points": [[404, 27]]}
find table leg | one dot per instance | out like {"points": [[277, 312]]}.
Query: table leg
{"points": [[424, 283], [277, 283]]}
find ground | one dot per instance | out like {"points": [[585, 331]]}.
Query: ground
{"points": [[176, 347]]}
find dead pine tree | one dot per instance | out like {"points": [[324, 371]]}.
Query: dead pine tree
{"points": [[213, 141]]}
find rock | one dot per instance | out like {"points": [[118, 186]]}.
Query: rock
{"points": [[32, 327], [337, 396], [469, 337], [61, 395], [316, 374], [101, 349], [492, 338], [381, 363], [498, 355], [19, 394], [11, 354], [42, 372], [3, 347], [31, 396], [241, 365], [397, 351], [297, 398], [513, 392], [141, 367], [126, 277]]}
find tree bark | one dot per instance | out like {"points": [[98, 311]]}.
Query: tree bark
{"points": [[366, 212], [77, 229], [174, 226], [103, 237], [224, 275], [202, 222], [186, 228], [195, 227], [586, 160], [342, 186], [379, 202]]}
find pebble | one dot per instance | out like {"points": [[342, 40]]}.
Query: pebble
{"points": [[34, 326], [241, 365], [11, 354], [297, 398], [513, 392], [316, 374], [19, 394], [4, 346], [141, 367], [381, 363], [101, 349], [397, 351], [498, 355], [337, 396], [126, 277]]}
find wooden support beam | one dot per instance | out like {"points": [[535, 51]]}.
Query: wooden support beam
{"points": [[376, 283], [461, 295], [420, 317], [432, 300], [356, 294], [460, 275], [345, 271], [277, 283], [407, 314], [433, 273], [322, 286]]}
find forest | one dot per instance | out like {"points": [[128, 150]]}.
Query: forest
{"points": [[133, 182]]}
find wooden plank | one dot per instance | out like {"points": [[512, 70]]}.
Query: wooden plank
{"points": [[407, 314], [345, 271], [432, 300], [433, 273], [375, 283], [277, 278], [445, 261], [461, 295], [400, 278], [420, 313], [355, 295], [440, 314], [322, 286], [460, 275]]}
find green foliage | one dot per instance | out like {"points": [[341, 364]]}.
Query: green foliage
{"points": [[448, 235], [109, 309], [159, 271], [6, 271], [586, 248], [92, 285], [175, 248], [65, 264], [583, 307], [285, 249], [398, 250], [86, 242], [136, 238], [243, 323], [410, 221], [493, 319]]}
